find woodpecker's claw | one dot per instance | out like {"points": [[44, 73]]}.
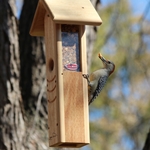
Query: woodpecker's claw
{"points": [[86, 76], [97, 79]]}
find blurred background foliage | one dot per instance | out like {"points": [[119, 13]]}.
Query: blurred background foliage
{"points": [[120, 116]]}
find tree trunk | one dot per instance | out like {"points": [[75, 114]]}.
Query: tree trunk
{"points": [[12, 126], [147, 142], [32, 55], [33, 83]]}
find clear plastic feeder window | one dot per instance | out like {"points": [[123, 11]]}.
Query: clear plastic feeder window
{"points": [[70, 47]]}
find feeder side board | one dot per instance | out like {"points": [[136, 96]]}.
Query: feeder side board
{"points": [[83, 54], [60, 83], [52, 82]]}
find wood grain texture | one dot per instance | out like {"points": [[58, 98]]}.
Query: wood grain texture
{"points": [[83, 54], [52, 84], [64, 12], [73, 11], [74, 107], [37, 27], [60, 84]]}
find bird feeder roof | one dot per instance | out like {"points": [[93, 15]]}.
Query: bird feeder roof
{"points": [[79, 12]]}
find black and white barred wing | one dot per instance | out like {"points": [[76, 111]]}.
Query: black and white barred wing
{"points": [[100, 85]]}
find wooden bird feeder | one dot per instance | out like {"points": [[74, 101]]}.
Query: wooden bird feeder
{"points": [[62, 23]]}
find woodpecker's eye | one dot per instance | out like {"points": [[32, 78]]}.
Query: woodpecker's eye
{"points": [[109, 62]]}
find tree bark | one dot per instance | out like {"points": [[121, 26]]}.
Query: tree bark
{"points": [[147, 142], [33, 83], [32, 55], [12, 126]]}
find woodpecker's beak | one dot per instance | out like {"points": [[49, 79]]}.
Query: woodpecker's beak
{"points": [[110, 66], [102, 58]]}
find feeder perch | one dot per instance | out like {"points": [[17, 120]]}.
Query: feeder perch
{"points": [[62, 23]]}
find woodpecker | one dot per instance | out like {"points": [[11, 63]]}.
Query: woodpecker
{"points": [[97, 79]]}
